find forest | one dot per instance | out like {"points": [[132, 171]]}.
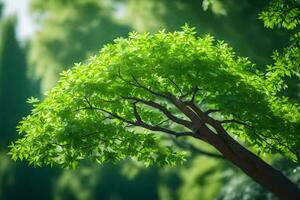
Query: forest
{"points": [[128, 99]]}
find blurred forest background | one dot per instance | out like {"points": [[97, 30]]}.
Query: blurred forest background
{"points": [[69, 31]]}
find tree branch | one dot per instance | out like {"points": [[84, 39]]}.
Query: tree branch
{"points": [[160, 123], [141, 123], [237, 122], [211, 111], [173, 82], [184, 109], [164, 110], [148, 89], [169, 97], [193, 91], [260, 135], [197, 150]]}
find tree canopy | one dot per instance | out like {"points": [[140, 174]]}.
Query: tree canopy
{"points": [[114, 105]]}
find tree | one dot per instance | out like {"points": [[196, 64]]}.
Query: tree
{"points": [[112, 106], [255, 111], [70, 31], [11, 92]]}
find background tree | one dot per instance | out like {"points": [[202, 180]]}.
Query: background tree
{"points": [[15, 87], [12, 93], [70, 31]]}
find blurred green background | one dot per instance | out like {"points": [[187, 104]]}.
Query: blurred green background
{"points": [[38, 43]]}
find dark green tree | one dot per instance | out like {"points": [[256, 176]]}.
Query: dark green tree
{"points": [[13, 82], [15, 87]]}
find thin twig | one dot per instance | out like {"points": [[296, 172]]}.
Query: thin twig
{"points": [[236, 121], [178, 88], [211, 111], [197, 150]]}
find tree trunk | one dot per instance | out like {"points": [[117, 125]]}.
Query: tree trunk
{"points": [[252, 165]]}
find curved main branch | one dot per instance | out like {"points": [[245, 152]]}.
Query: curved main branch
{"points": [[164, 110], [139, 122]]}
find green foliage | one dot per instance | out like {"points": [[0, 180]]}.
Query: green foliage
{"points": [[282, 13], [87, 114], [286, 65]]}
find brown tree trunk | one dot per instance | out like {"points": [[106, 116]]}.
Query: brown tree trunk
{"points": [[252, 165]]}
